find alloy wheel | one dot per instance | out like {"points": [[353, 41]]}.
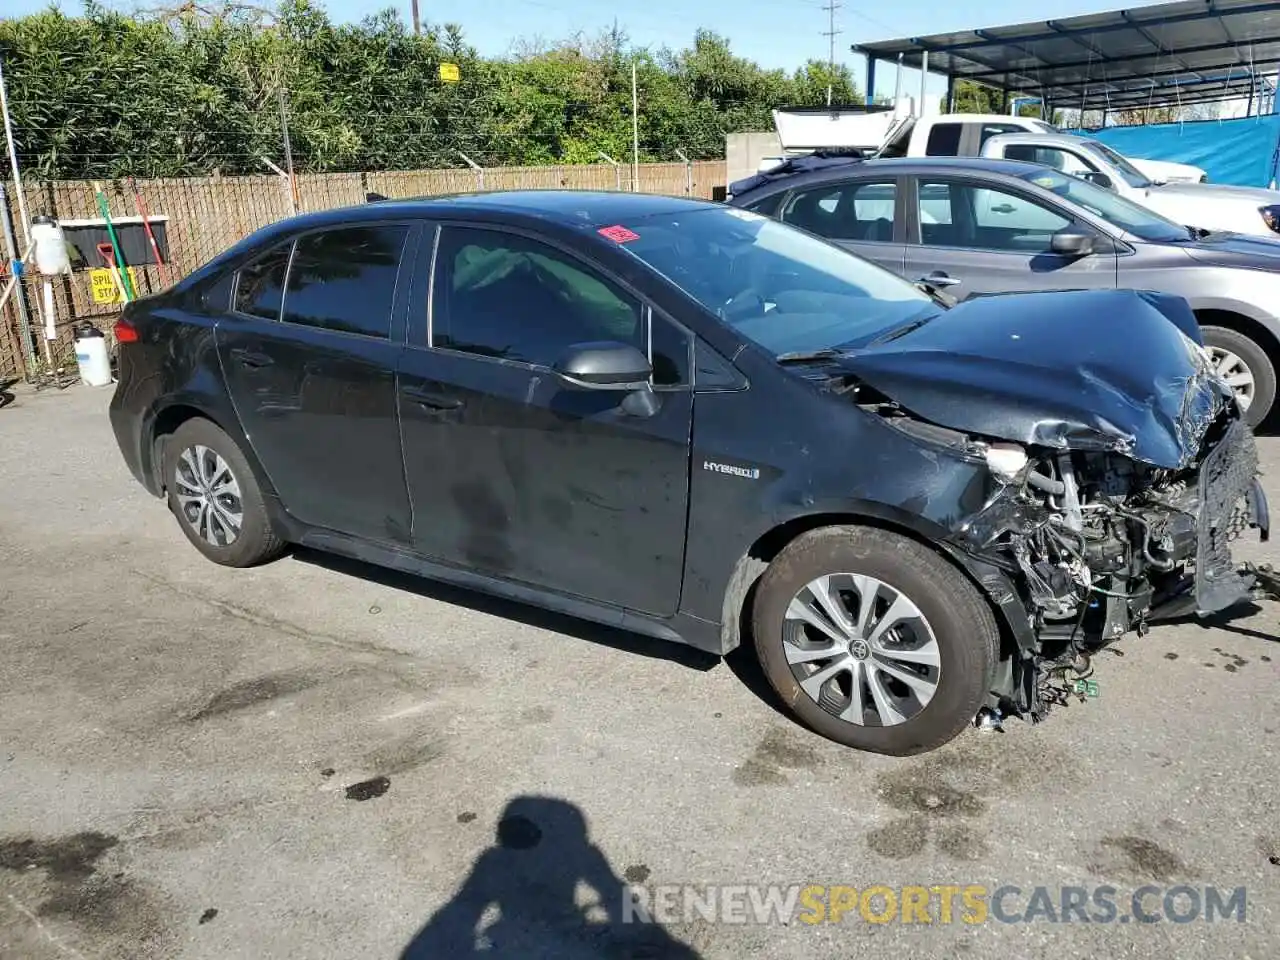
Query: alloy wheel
{"points": [[208, 495], [1231, 368], [861, 650]]}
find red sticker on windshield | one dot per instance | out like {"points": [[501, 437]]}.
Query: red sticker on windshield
{"points": [[618, 234]]}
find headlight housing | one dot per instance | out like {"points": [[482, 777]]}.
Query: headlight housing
{"points": [[1006, 461], [1271, 216]]}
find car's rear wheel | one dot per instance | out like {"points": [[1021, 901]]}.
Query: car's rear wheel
{"points": [[874, 640], [1246, 367], [212, 491]]}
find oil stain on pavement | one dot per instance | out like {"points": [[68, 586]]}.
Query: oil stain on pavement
{"points": [[1142, 857], [61, 876], [944, 796], [368, 789], [778, 751], [250, 693]]}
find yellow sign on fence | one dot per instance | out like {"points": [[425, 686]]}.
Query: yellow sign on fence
{"points": [[104, 287], [450, 73]]}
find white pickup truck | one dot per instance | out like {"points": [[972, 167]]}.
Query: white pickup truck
{"points": [[966, 135], [1208, 206]]}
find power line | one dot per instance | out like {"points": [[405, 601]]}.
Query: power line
{"points": [[831, 33]]}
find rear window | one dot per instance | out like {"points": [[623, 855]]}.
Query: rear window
{"points": [[768, 207], [345, 279], [260, 285], [944, 140]]}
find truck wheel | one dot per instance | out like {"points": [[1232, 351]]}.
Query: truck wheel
{"points": [[1246, 366], [874, 640], [215, 496]]}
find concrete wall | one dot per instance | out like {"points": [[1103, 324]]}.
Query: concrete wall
{"points": [[744, 151]]}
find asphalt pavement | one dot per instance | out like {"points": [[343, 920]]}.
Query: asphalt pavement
{"points": [[318, 759]]}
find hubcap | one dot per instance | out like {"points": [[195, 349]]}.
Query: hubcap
{"points": [[1236, 372], [208, 496], [861, 650]]}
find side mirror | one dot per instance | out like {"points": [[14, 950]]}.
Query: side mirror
{"points": [[605, 365], [1072, 242], [1100, 178]]}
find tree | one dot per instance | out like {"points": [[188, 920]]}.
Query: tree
{"points": [[196, 86]]}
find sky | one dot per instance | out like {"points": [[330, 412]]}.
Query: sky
{"points": [[782, 33]]}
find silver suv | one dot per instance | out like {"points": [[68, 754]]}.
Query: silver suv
{"points": [[978, 226]]}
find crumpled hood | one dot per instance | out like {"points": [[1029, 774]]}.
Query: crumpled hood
{"points": [[1111, 370]]}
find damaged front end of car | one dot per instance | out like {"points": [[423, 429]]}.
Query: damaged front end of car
{"points": [[1116, 480], [1099, 544]]}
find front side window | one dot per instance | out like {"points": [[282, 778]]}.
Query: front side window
{"points": [[1131, 174], [345, 279], [260, 285], [854, 210], [954, 214], [501, 295], [1066, 161], [1140, 221]]}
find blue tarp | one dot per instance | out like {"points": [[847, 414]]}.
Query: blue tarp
{"points": [[1241, 152]]}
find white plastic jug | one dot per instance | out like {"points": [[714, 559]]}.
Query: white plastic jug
{"points": [[51, 246], [91, 356]]}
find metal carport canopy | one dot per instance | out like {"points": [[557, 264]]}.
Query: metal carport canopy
{"points": [[1163, 54]]}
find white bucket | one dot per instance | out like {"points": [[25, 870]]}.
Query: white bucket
{"points": [[92, 357]]}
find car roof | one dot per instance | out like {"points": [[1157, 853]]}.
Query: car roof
{"points": [[565, 208], [897, 166]]}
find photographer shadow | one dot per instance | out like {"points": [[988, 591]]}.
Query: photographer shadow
{"points": [[520, 899]]}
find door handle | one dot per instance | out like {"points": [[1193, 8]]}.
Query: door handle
{"points": [[251, 358], [1002, 208], [435, 401]]}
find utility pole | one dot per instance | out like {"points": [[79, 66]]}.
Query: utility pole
{"points": [[831, 33], [288, 150], [417, 29], [635, 131]]}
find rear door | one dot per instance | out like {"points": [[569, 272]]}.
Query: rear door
{"points": [[309, 352], [513, 471], [865, 216], [992, 238]]}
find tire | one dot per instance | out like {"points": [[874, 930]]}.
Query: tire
{"points": [[1249, 359], [209, 523], [965, 640]]}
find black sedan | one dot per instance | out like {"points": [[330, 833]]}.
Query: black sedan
{"points": [[700, 424]]}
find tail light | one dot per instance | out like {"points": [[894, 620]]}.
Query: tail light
{"points": [[125, 331]]}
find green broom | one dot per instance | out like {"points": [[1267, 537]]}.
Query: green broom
{"points": [[115, 243]]}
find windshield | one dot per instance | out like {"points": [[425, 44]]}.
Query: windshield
{"points": [[1142, 223], [785, 289], [1132, 175]]}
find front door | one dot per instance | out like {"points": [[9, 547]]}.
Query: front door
{"points": [[862, 216], [992, 239], [309, 352], [514, 472]]}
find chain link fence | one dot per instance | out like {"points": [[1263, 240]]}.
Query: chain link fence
{"points": [[203, 216]]}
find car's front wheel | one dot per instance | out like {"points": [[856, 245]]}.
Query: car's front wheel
{"points": [[1246, 367], [216, 498], [874, 640]]}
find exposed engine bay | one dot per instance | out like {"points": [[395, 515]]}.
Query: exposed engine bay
{"points": [[1104, 544], [1098, 544], [1094, 491]]}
